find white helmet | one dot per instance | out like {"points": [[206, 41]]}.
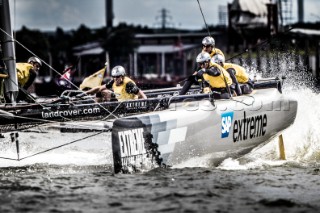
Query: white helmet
{"points": [[35, 60], [203, 57], [218, 58], [118, 71], [208, 41]]}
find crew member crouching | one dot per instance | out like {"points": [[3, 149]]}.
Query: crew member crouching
{"points": [[239, 75], [211, 74], [120, 87]]}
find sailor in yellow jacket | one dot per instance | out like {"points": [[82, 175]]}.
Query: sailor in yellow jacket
{"points": [[26, 73], [121, 87], [210, 74], [208, 45], [239, 75]]}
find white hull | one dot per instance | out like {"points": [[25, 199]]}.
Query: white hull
{"points": [[193, 129], [170, 137]]}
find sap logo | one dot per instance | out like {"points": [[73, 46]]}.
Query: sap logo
{"points": [[226, 123]]}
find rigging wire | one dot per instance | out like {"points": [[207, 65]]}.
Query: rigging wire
{"points": [[111, 113], [43, 106], [53, 148], [224, 77], [264, 42], [204, 18], [57, 147], [32, 53]]}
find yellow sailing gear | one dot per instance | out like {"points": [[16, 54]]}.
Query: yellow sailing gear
{"points": [[216, 51], [218, 81], [120, 91], [241, 74], [23, 72]]}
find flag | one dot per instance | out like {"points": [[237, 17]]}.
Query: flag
{"points": [[67, 74], [93, 80], [65, 80]]}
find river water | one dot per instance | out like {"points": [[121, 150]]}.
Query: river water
{"points": [[256, 182]]}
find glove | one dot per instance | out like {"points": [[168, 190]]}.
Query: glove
{"points": [[250, 83], [200, 73]]}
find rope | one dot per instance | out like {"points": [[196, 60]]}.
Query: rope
{"points": [[204, 18], [242, 101], [32, 53], [53, 148]]}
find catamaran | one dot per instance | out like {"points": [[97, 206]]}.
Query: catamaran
{"points": [[166, 129]]}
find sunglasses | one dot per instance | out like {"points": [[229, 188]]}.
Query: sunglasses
{"points": [[207, 46], [202, 63], [116, 76]]}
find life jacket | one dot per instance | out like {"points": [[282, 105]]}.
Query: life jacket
{"points": [[216, 51], [23, 72], [120, 91], [241, 74], [218, 81]]}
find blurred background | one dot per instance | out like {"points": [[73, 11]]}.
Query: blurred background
{"points": [[157, 41]]}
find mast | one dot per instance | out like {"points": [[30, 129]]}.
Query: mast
{"points": [[8, 48]]}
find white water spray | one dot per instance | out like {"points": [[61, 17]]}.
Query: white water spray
{"points": [[302, 139]]}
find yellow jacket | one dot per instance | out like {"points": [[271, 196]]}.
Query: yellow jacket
{"points": [[241, 74], [23, 73], [120, 91], [216, 51], [218, 81]]}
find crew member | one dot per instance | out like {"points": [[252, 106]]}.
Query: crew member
{"points": [[26, 73], [239, 75], [212, 75], [208, 45], [121, 87]]}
